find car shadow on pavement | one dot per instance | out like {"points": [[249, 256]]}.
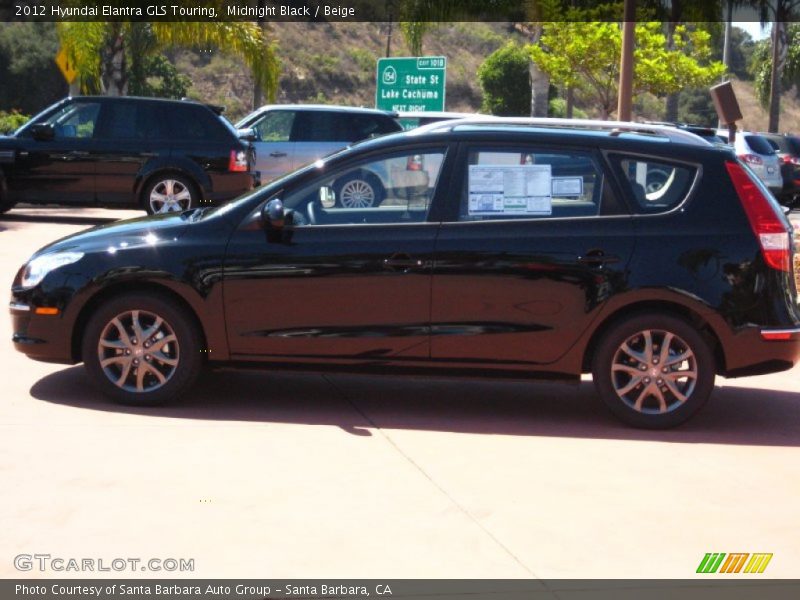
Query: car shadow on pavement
{"points": [[360, 405], [7, 220]]}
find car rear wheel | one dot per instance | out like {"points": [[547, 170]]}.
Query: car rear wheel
{"points": [[142, 349], [654, 371], [359, 190], [169, 193]]}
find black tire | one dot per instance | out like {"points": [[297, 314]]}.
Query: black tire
{"points": [[186, 352], [659, 385], [359, 190], [184, 194]]}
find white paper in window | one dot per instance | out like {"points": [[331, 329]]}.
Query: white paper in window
{"points": [[510, 190]]}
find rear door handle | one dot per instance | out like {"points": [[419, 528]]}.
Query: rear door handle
{"points": [[597, 258], [277, 154]]}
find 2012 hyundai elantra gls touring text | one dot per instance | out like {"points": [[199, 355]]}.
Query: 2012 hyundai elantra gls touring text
{"points": [[500, 248]]}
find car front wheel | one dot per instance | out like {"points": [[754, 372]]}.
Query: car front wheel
{"points": [[654, 371], [142, 349]]}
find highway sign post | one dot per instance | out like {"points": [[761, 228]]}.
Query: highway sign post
{"points": [[411, 84]]}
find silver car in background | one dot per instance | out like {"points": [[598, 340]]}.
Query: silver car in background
{"points": [[760, 156], [288, 136]]}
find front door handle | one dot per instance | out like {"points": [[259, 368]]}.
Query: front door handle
{"points": [[402, 262], [277, 154], [74, 155], [597, 258]]}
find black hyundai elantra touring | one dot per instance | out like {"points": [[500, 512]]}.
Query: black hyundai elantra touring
{"points": [[498, 248]]}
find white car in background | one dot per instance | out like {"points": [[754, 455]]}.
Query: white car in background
{"points": [[758, 154], [289, 136]]}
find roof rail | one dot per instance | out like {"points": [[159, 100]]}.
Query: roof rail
{"points": [[614, 128]]}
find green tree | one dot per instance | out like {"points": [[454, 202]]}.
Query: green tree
{"points": [[29, 77], [106, 53], [413, 34], [586, 56], [761, 66], [504, 79]]}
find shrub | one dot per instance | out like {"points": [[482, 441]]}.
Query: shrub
{"points": [[505, 79], [11, 121]]}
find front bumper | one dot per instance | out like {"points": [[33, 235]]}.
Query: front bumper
{"points": [[44, 337]]}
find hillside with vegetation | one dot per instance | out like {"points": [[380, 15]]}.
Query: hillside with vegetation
{"points": [[335, 63]]}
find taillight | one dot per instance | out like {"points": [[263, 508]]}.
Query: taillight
{"points": [[751, 159], [791, 160], [414, 163], [238, 162], [770, 229]]}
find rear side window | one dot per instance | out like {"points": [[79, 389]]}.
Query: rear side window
{"points": [[758, 144], [362, 127], [530, 184], [655, 186], [319, 126], [134, 120], [191, 122]]}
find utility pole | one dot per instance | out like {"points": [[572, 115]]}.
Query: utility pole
{"points": [[726, 48], [778, 60], [625, 100]]}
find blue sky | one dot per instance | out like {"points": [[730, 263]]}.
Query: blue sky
{"points": [[754, 29]]}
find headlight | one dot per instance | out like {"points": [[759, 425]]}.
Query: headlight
{"points": [[38, 268]]}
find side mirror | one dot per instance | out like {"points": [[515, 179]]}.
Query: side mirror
{"points": [[327, 197], [248, 135], [273, 214], [43, 132]]}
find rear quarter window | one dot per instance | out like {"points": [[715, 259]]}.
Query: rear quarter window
{"points": [[654, 186], [191, 122]]}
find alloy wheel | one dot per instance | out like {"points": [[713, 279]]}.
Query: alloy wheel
{"points": [[357, 193], [654, 372], [170, 195], [138, 351]]}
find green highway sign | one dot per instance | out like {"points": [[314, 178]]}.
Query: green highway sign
{"points": [[411, 84]]}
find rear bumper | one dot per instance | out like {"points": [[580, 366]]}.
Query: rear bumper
{"points": [[758, 351]]}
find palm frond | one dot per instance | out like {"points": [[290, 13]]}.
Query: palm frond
{"points": [[243, 39]]}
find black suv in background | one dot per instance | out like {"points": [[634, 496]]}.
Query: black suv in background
{"points": [[160, 155], [503, 248]]}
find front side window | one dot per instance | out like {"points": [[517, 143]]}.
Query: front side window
{"points": [[75, 121], [275, 126], [655, 186], [530, 184], [394, 189]]}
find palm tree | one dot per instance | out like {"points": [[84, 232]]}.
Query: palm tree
{"points": [[105, 53]]}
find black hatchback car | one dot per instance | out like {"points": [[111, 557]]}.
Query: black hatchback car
{"points": [[158, 155], [503, 248]]}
